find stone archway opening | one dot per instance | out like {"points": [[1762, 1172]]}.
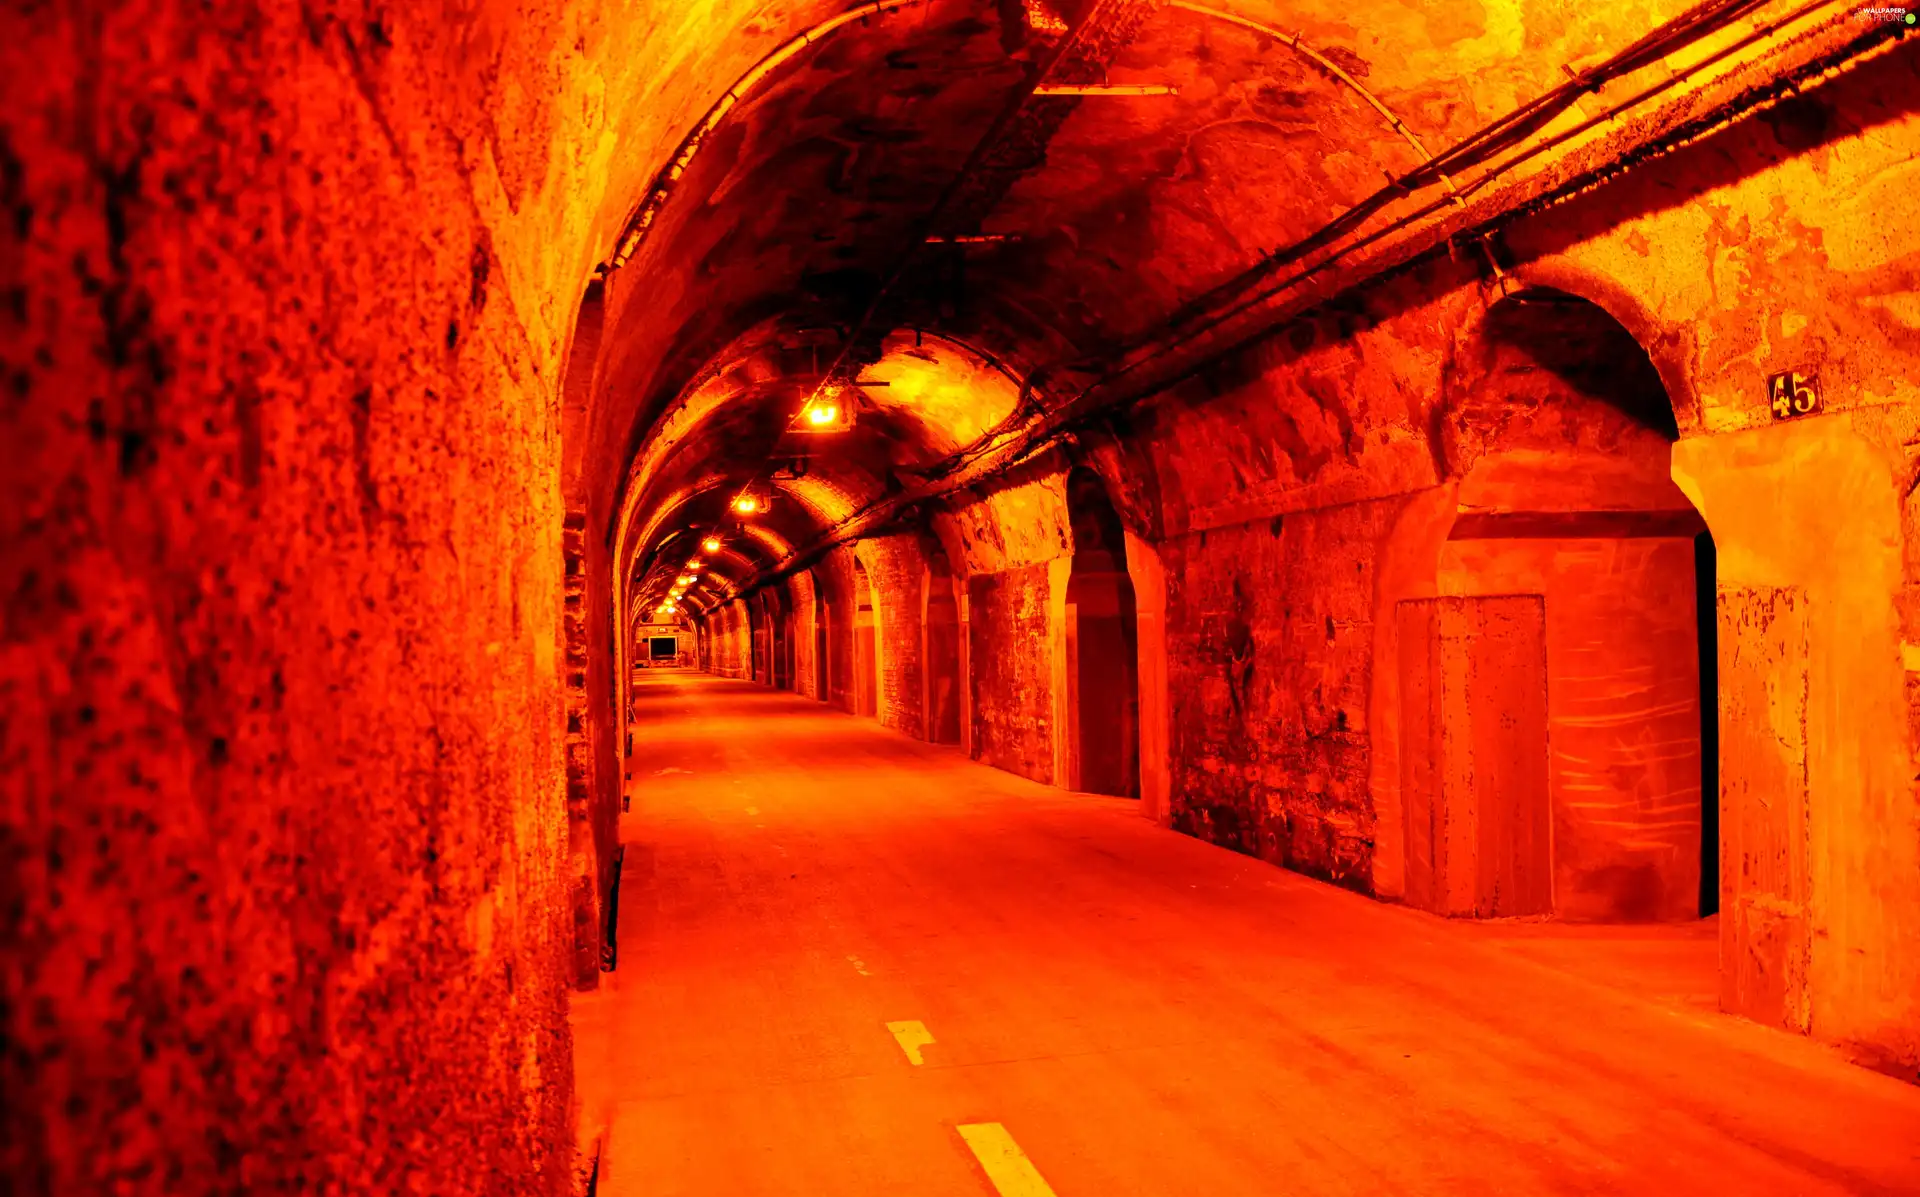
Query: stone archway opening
{"points": [[1558, 693], [1103, 667]]}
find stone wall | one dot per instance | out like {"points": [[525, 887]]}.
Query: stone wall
{"points": [[1010, 648], [1269, 645], [806, 655], [895, 566], [285, 830]]}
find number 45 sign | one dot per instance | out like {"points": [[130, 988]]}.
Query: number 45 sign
{"points": [[1793, 394]]}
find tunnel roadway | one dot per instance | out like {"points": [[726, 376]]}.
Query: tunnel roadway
{"points": [[1101, 1007]]}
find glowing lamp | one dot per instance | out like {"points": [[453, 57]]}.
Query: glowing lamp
{"points": [[822, 413], [711, 544], [748, 504]]}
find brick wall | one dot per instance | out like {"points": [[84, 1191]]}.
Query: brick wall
{"points": [[834, 574], [800, 599], [895, 566]]}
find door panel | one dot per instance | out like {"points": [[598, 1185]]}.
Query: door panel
{"points": [[1473, 677]]}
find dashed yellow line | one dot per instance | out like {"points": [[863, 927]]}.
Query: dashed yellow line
{"points": [[1012, 1173], [912, 1035]]}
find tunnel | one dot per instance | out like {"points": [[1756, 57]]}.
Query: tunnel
{"points": [[1033, 597]]}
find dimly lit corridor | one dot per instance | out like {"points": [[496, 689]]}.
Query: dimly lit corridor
{"points": [[1143, 1013], [1026, 598]]}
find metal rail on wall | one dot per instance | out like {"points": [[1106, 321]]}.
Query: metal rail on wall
{"points": [[1294, 42], [1508, 132]]}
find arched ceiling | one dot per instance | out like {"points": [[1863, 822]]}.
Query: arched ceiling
{"points": [[815, 188], [925, 397]]}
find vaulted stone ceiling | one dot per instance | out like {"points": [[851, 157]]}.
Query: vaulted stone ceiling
{"points": [[815, 188]]}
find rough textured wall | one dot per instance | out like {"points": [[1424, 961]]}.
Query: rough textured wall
{"points": [[943, 660], [895, 565], [739, 641], [1269, 642], [759, 641], [834, 575], [1021, 519], [283, 832], [709, 627], [736, 640], [806, 659], [1010, 647]]}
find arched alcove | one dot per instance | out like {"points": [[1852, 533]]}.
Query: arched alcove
{"points": [[1103, 693], [1557, 691]]}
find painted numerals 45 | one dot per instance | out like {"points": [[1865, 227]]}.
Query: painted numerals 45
{"points": [[1793, 394]]}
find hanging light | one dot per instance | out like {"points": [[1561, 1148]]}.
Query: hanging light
{"points": [[749, 504], [711, 544], [826, 411]]}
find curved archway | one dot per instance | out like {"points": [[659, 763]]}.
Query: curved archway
{"points": [[1568, 649], [1103, 668]]}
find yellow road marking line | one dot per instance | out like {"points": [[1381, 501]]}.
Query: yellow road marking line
{"points": [[1012, 1173], [859, 966], [912, 1036]]}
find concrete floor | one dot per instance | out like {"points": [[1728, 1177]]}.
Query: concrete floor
{"points": [[1141, 1012]]}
